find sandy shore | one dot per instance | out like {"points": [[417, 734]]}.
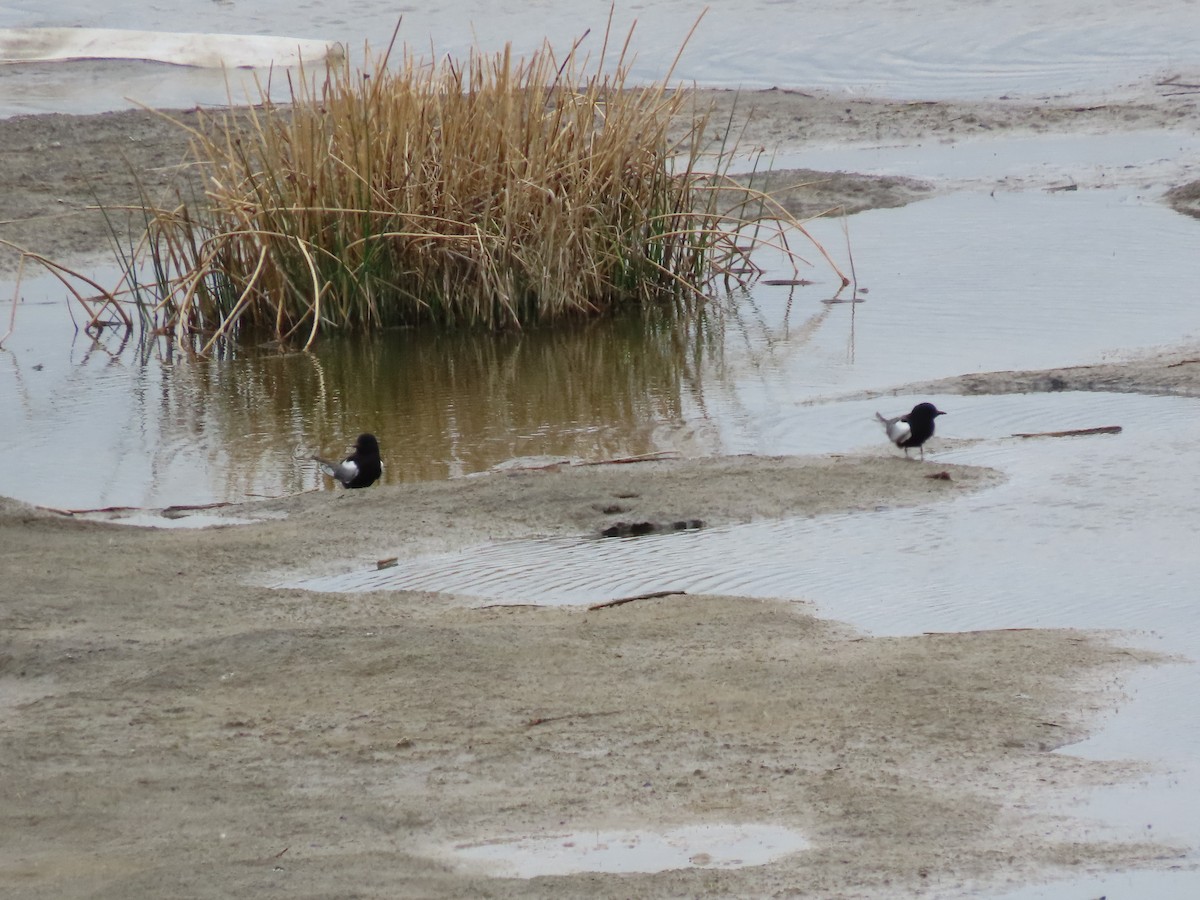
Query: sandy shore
{"points": [[175, 727], [58, 167]]}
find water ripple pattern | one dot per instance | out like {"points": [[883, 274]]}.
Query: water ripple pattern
{"points": [[1093, 532], [932, 49]]}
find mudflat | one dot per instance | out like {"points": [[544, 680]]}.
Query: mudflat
{"points": [[177, 725]]}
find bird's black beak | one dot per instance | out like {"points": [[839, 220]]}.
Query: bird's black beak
{"points": [[940, 412]]}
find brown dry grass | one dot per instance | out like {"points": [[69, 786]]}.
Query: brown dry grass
{"points": [[495, 193]]}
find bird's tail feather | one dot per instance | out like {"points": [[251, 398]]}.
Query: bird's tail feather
{"points": [[327, 467]]}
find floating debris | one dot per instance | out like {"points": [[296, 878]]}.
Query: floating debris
{"points": [[1073, 432]]}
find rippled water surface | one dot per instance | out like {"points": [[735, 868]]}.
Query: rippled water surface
{"points": [[1089, 532], [927, 48]]}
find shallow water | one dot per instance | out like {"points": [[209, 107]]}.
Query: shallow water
{"points": [[1113, 522], [964, 282], [693, 846], [1176, 885], [897, 48], [1137, 159], [1090, 532], [149, 427]]}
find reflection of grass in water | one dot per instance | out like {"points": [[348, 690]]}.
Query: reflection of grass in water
{"points": [[448, 404]]}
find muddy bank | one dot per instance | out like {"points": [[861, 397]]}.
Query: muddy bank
{"points": [[59, 167], [173, 726], [1174, 372], [1185, 198]]}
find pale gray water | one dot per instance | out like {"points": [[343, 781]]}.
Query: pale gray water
{"points": [[700, 846], [978, 283], [898, 48], [1123, 159]]}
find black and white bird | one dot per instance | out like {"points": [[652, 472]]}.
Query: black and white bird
{"points": [[361, 468], [912, 429]]}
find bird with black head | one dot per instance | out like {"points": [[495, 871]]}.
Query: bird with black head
{"points": [[362, 468], [913, 428]]}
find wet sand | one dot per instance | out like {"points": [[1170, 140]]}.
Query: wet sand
{"points": [[58, 167], [176, 727]]}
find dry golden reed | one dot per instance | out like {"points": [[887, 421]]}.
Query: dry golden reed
{"points": [[494, 193]]}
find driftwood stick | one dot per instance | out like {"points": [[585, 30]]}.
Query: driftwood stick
{"points": [[165, 511], [1074, 432], [622, 600], [195, 507], [542, 720], [560, 463], [973, 631], [643, 457]]}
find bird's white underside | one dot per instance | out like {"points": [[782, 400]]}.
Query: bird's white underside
{"points": [[343, 471], [898, 430]]}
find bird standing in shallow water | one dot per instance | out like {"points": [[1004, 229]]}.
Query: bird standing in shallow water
{"points": [[912, 429], [361, 468]]}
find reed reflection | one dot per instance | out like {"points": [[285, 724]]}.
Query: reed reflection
{"points": [[445, 405]]}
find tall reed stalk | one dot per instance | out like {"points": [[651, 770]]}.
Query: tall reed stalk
{"points": [[496, 193]]}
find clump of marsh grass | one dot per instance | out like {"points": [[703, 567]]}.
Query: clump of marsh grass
{"points": [[492, 193]]}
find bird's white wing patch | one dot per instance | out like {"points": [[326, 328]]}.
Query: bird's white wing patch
{"points": [[346, 471], [898, 432]]}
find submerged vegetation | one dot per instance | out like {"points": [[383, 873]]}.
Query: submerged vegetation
{"points": [[492, 193]]}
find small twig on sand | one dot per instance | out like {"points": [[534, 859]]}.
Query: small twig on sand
{"points": [[975, 631], [560, 463], [1183, 362], [165, 512], [622, 600], [1074, 432], [643, 457], [542, 720], [546, 467], [194, 507]]}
